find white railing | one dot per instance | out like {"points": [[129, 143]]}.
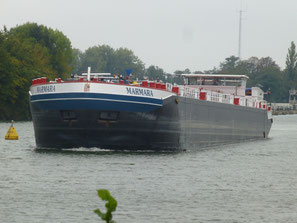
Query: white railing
{"points": [[168, 87], [226, 98], [219, 97]]}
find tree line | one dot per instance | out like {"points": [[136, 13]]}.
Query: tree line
{"points": [[26, 52], [30, 51]]}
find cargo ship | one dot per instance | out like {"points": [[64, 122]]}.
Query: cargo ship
{"points": [[110, 112]]}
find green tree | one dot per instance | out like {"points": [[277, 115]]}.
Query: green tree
{"points": [[198, 72], [54, 42], [7, 77], [212, 71], [106, 59], [229, 65], [26, 52], [177, 77], [99, 58], [262, 72], [125, 59], [93, 57], [266, 74], [156, 73], [77, 56], [269, 77], [185, 71], [291, 64]]}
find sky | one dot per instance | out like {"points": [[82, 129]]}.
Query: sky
{"points": [[170, 34]]}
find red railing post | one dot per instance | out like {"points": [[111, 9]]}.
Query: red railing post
{"points": [[202, 96], [175, 90], [236, 101]]}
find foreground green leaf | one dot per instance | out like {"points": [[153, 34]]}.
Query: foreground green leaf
{"points": [[110, 206]]}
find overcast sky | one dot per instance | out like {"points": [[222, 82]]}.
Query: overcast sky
{"points": [[171, 34]]}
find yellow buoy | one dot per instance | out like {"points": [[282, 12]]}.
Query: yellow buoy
{"points": [[11, 133]]}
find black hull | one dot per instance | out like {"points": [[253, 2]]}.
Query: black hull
{"points": [[181, 123]]}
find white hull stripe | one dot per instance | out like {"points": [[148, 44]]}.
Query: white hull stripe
{"points": [[95, 99]]}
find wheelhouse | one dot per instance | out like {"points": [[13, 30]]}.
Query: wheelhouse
{"points": [[216, 79]]}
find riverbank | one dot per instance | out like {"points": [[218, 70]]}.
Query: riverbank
{"points": [[284, 112]]}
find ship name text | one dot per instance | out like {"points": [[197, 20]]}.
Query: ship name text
{"points": [[46, 88], [139, 91]]}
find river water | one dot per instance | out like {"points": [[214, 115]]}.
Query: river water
{"points": [[246, 182]]}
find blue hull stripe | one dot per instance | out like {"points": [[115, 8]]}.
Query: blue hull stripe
{"points": [[96, 96], [95, 101]]}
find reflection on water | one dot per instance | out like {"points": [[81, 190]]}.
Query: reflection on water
{"points": [[246, 182]]}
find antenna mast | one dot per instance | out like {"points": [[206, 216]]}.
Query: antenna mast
{"points": [[239, 38]]}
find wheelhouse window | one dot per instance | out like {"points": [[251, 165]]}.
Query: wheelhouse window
{"points": [[215, 79]]}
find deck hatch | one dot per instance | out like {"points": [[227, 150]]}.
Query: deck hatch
{"points": [[68, 115], [108, 115]]}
